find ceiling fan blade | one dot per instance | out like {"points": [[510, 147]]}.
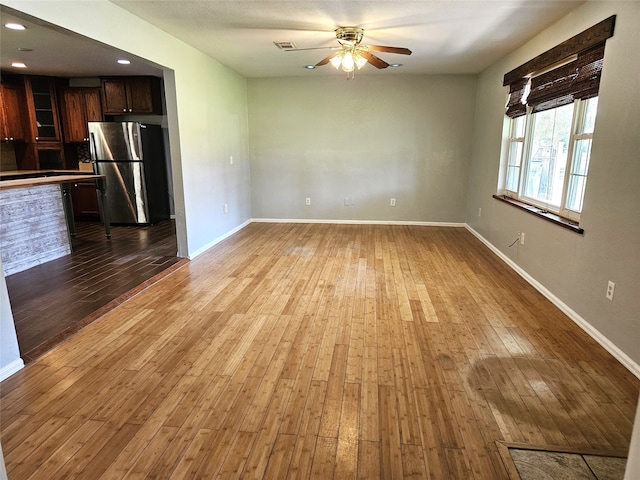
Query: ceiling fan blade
{"points": [[313, 48], [326, 59], [373, 60], [382, 48]]}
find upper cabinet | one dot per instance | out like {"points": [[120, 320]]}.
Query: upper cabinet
{"points": [[79, 106], [131, 95], [11, 114], [42, 109]]}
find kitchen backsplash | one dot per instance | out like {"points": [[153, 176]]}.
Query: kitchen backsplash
{"points": [[84, 156]]}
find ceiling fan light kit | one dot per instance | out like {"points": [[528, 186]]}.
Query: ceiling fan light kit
{"points": [[352, 53], [348, 60]]}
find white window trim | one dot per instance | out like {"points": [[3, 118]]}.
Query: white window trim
{"points": [[576, 123]]}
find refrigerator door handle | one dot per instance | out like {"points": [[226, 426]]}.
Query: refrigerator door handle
{"points": [[94, 151]]}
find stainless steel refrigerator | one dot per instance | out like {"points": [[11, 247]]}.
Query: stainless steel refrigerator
{"points": [[131, 157]]}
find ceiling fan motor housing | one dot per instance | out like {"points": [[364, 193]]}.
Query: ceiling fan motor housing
{"points": [[349, 36]]}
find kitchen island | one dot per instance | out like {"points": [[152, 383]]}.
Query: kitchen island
{"points": [[36, 215]]}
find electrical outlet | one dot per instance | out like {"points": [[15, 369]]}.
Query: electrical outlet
{"points": [[479, 212], [610, 289], [521, 235], [225, 208], [307, 201], [392, 202], [347, 201]]}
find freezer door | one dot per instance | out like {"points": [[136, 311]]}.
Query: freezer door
{"points": [[126, 191], [115, 141]]}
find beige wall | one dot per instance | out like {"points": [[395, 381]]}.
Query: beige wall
{"points": [[368, 140], [632, 471], [576, 268], [10, 361]]}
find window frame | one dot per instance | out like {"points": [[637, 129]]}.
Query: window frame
{"points": [[514, 139], [576, 134]]}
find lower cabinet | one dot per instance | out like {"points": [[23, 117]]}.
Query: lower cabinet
{"points": [[85, 200]]}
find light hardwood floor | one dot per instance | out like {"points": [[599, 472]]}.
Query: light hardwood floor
{"points": [[319, 351]]}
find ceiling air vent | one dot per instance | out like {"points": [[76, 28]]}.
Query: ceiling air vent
{"points": [[285, 45]]}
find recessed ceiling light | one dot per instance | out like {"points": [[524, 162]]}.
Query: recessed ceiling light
{"points": [[310, 67], [395, 65], [15, 26], [18, 65], [124, 61]]}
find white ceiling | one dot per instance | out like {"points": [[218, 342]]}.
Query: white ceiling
{"points": [[58, 52], [447, 36]]}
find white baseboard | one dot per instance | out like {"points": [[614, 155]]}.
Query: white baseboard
{"points": [[357, 222], [10, 369], [594, 333], [299, 220], [218, 240]]}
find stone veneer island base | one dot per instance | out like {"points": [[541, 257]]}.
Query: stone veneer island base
{"points": [[33, 227], [36, 217]]}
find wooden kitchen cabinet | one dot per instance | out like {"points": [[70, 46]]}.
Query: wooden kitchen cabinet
{"points": [[50, 155], [42, 108], [40, 156], [37, 101], [131, 95], [11, 114], [84, 199], [79, 106]]}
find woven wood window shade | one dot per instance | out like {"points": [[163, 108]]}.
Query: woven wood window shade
{"points": [[515, 107], [589, 66], [552, 89], [562, 85]]}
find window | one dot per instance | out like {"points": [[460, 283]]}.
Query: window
{"points": [[581, 154], [548, 157], [552, 105], [514, 161]]}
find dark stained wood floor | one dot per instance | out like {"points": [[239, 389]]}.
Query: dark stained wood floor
{"points": [[53, 300]]}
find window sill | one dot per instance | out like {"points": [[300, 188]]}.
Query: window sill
{"points": [[550, 217]]}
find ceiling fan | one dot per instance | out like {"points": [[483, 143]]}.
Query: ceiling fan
{"points": [[352, 53]]}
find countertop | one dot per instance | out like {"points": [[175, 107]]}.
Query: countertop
{"points": [[15, 178]]}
